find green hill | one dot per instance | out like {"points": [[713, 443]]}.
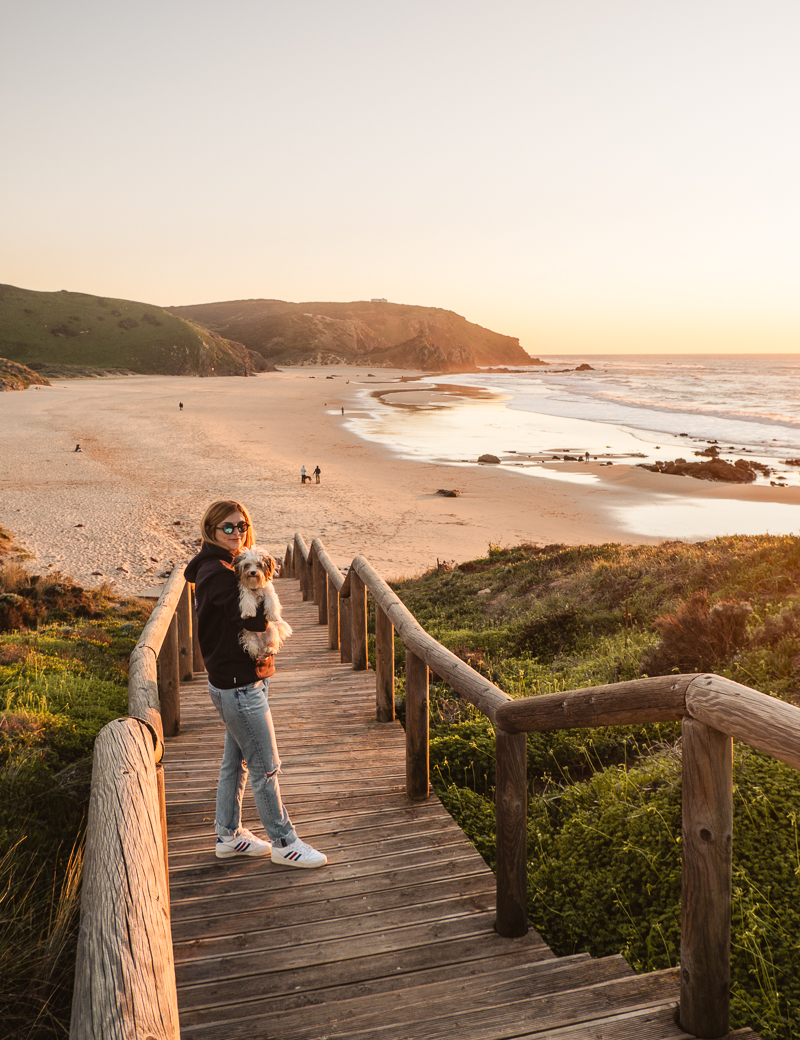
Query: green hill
{"points": [[61, 334], [372, 332]]}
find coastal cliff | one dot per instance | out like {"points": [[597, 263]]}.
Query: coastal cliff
{"points": [[376, 332]]}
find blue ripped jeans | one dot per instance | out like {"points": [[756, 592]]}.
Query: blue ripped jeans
{"points": [[249, 742]]}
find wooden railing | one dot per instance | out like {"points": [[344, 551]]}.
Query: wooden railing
{"points": [[713, 710], [125, 972]]}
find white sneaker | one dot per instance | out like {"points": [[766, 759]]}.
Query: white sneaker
{"points": [[242, 844], [298, 854]]}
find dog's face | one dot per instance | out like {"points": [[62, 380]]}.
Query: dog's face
{"points": [[254, 568]]}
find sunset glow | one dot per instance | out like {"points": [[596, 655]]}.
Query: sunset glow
{"points": [[594, 177]]}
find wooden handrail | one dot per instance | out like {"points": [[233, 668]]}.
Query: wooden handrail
{"points": [[124, 940], [468, 683], [124, 971], [713, 710]]}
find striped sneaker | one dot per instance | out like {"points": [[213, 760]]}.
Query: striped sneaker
{"points": [[242, 844], [298, 854]]}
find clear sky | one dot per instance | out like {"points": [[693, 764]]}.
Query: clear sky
{"points": [[588, 175]]}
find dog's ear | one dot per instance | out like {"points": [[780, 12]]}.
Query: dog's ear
{"points": [[268, 563]]}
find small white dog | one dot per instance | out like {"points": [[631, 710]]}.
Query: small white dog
{"points": [[254, 570]]}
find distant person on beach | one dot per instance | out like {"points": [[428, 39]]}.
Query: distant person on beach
{"points": [[180, 406], [78, 447], [343, 408], [303, 474], [317, 472], [238, 686]]}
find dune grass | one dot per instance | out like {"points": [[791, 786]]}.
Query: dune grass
{"points": [[604, 804], [60, 683]]}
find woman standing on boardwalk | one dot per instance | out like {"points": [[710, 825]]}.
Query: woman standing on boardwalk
{"points": [[238, 687]]}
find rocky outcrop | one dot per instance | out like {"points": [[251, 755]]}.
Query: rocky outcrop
{"points": [[376, 333], [19, 377], [742, 471]]}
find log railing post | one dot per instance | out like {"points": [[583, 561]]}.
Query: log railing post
{"points": [[707, 798], [417, 728], [345, 630], [511, 806], [287, 570], [185, 664], [198, 665], [384, 666], [320, 590], [332, 596], [358, 622], [125, 971], [301, 569], [169, 681]]}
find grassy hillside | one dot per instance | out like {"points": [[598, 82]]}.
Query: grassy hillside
{"points": [[604, 811], [65, 333], [361, 332]]}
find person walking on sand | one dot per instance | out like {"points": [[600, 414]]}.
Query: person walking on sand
{"points": [[78, 447], [238, 687], [303, 474], [317, 473], [180, 406]]}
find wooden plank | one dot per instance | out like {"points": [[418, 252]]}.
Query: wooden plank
{"points": [[529, 1015], [365, 974], [420, 991]]}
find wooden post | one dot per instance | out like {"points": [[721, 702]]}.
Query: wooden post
{"points": [[417, 728], [312, 566], [301, 568], [384, 666], [345, 630], [125, 971], [333, 614], [511, 805], [169, 681], [198, 665], [161, 788], [185, 664], [320, 591], [287, 570], [706, 880], [358, 622]]}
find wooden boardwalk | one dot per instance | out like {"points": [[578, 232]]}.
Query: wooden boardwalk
{"points": [[394, 938]]}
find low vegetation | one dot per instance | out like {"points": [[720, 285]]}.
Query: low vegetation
{"points": [[604, 826], [63, 676]]}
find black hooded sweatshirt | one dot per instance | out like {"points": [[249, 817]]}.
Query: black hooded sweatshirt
{"points": [[219, 622]]}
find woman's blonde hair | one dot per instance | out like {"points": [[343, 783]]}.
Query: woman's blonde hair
{"points": [[214, 516]]}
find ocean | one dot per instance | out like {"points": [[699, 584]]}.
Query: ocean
{"points": [[617, 407]]}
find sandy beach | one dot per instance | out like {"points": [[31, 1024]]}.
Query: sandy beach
{"points": [[126, 508]]}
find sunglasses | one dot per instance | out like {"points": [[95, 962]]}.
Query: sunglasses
{"points": [[229, 528]]}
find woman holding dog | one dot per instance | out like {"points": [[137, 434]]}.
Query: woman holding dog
{"points": [[238, 686]]}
